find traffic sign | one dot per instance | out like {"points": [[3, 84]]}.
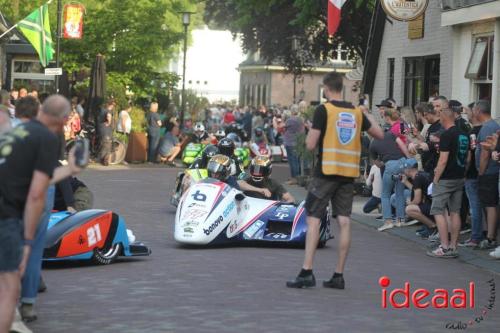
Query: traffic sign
{"points": [[53, 71]]}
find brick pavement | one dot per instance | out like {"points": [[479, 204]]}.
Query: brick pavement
{"points": [[239, 289]]}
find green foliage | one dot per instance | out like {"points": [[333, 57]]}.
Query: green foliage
{"points": [[195, 105], [138, 117], [268, 26], [137, 37]]}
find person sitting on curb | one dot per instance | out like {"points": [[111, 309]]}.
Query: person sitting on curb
{"points": [[419, 206], [260, 172]]}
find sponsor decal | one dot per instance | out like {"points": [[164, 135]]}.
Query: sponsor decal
{"points": [[194, 214], [213, 226], [281, 215], [229, 209], [198, 196], [189, 230], [404, 10], [346, 127]]}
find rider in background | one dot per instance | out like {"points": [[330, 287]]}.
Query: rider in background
{"points": [[220, 134], [260, 172], [226, 147], [260, 145], [202, 162], [200, 135], [219, 167]]}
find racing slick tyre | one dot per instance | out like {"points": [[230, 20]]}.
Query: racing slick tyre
{"points": [[107, 256]]}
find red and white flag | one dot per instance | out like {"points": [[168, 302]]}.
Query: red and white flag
{"points": [[334, 7]]}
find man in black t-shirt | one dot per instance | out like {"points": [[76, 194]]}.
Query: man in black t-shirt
{"points": [[106, 133], [345, 125], [419, 207], [28, 157], [428, 147], [448, 184]]}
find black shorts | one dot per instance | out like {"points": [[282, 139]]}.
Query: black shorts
{"points": [[11, 244], [322, 191], [425, 208], [487, 188]]}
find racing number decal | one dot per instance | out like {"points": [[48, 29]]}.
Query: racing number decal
{"points": [[94, 235]]}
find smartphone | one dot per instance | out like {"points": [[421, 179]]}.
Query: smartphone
{"points": [[82, 153]]}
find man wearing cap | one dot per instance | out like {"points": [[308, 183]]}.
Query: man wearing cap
{"points": [[419, 207], [382, 108]]}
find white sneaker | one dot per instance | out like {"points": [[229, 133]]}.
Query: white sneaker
{"points": [[386, 226], [409, 223], [18, 325], [495, 254]]}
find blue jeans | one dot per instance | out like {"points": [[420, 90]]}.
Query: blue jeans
{"points": [[476, 211], [407, 195], [394, 167], [31, 277], [293, 161], [153, 142], [371, 205]]}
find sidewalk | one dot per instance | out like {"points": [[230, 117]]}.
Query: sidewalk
{"points": [[479, 258]]}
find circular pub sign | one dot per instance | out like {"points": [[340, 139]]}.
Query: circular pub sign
{"points": [[404, 10]]}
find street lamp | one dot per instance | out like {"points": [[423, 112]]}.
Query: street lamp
{"points": [[186, 20], [295, 50]]}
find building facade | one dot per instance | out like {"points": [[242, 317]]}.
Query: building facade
{"points": [[415, 60], [270, 84], [475, 26]]}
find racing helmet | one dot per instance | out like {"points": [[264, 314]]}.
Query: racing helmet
{"points": [[220, 134], [260, 168], [235, 138], [209, 152], [219, 167], [226, 147], [199, 129]]}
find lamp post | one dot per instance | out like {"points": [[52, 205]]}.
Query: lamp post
{"points": [[186, 20], [58, 41], [295, 49]]}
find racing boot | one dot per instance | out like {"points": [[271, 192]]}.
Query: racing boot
{"points": [[28, 312], [305, 279], [336, 282]]}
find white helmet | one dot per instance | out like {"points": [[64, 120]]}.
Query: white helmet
{"points": [[199, 127]]}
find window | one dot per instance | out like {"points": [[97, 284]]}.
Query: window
{"points": [[481, 61], [390, 84], [421, 79], [480, 68], [259, 95], [29, 73], [264, 94]]}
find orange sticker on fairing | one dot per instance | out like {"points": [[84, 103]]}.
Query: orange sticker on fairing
{"points": [[86, 237]]}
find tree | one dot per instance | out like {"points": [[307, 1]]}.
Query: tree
{"points": [[137, 37], [267, 26]]}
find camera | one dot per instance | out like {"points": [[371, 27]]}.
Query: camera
{"points": [[82, 153], [397, 177]]}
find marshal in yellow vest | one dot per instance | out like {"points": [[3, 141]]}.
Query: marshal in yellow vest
{"points": [[341, 153]]}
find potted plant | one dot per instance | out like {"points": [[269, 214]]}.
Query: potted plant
{"points": [[138, 142]]}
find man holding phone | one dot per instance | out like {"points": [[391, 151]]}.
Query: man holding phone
{"points": [[28, 159]]}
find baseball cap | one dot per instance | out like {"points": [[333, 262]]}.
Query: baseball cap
{"points": [[385, 103], [455, 105], [411, 163]]}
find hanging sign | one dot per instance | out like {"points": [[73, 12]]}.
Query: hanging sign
{"points": [[404, 10], [73, 21]]}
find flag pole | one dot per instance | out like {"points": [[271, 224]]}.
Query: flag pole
{"points": [[58, 40], [6, 32]]}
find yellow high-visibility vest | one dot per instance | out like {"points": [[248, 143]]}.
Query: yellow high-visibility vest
{"points": [[341, 153]]}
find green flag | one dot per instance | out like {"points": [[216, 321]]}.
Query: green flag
{"points": [[36, 28]]}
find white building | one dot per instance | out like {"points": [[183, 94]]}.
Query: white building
{"points": [[475, 28], [212, 65]]}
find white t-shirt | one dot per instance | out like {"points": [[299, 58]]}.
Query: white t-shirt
{"points": [[128, 122], [376, 183]]}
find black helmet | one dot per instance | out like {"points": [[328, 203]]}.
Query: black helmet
{"points": [[260, 168], [219, 167], [258, 132], [226, 147], [220, 134], [208, 153]]}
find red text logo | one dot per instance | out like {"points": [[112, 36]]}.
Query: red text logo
{"points": [[399, 298]]}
